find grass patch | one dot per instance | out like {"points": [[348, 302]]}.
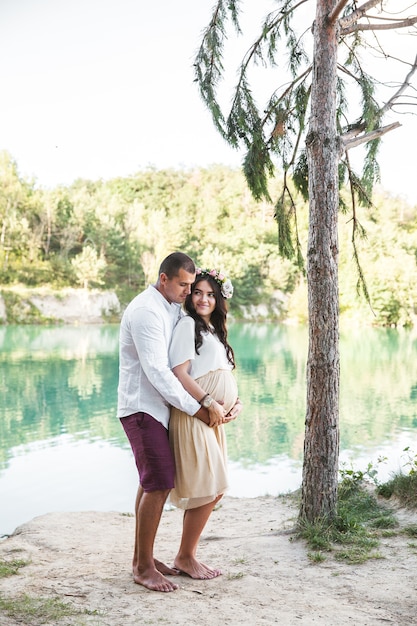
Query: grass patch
{"points": [[385, 521], [356, 555], [235, 576], [240, 561], [411, 530], [10, 568], [27, 610], [412, 546], [403, 487], [353, 535], [316, 557]]}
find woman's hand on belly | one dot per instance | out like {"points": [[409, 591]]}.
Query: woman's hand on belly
{"points": [[234, 411]]}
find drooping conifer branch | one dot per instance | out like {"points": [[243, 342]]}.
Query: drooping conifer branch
{"points": [[208, 64], [273, 135], [406, 83]]}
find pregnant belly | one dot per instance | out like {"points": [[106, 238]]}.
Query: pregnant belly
{"points": [[221, 385]]}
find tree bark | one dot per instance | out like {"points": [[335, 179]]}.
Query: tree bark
{"points": [[321, 445]]}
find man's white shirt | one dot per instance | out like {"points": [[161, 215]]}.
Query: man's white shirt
{"points": [[146, 382]]}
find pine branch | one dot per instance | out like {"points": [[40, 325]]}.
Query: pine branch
{"points": [[270, 26], [357, 229], [278, 129], [348, 143], [347, 140], [356, 15], [370, 115], [244, 123], [209, 59], [401, 90], [410, 21], [336, 11]]}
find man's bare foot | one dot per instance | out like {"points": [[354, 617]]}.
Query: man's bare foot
{"points": [[195, 569], [165, 569], [153, 580]]}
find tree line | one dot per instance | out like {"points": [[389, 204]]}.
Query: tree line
{"points": [[113, 234]]}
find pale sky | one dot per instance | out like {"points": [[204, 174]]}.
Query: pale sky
{"points": [[102, 88]]}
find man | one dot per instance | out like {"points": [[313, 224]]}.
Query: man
{"points": [[147, 388]]}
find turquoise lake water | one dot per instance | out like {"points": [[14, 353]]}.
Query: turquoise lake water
{"points": [[62, 447]]}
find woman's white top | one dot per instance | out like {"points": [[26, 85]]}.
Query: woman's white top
{"points": [[212, 353]]}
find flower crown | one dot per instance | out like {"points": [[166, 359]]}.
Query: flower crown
{"points": [[225, 284]]}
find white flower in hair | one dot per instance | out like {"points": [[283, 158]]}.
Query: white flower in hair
{"points": [[227, 289], [225, 284]]}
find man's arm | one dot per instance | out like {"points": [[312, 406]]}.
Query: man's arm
{"points": [[203, 415], [148, 334], [216, 413]]}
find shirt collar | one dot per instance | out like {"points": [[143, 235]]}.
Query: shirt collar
{"points": [[174, 308]]}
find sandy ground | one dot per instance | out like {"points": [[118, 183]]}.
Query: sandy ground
{"points": [[84, 559]]}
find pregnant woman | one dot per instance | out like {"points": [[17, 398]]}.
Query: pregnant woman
{"points": [[203, 360]]}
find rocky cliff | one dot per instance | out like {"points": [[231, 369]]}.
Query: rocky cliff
{"points": [[68, 306]]}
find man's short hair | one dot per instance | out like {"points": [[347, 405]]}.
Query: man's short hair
{"points": [[175, 262]]}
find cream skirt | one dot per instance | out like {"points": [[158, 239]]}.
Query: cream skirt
{"points": [[200, 452]]}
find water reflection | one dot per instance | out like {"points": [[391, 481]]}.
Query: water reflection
{"points": [[62, 447]]}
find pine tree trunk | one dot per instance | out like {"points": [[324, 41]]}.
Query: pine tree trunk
{"points": [[321, 445]]}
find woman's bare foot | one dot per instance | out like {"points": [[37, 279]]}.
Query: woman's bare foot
{"points": [[195, 569], [165, 569], [153, 579]]}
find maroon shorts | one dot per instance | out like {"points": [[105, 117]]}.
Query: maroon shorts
{"points": [[150, 445]]}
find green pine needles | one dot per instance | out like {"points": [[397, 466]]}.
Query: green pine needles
{"points": [[273, 134]]}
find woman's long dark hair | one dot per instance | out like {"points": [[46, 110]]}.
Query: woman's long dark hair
{"points": [[217, 319]]}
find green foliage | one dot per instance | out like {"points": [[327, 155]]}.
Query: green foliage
{"points": [[300, 176], [403, 486], [283, 217], [88, 267], [127, 225], [411, 461], [273, 129], [353, 479], [257, 167], [273, 132]]}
